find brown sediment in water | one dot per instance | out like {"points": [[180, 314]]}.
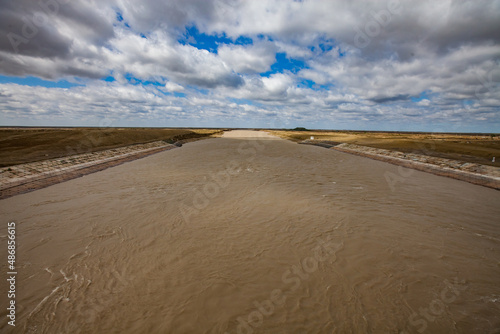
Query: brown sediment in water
{"points": [[24, 178], [256, 234], [474, 173]]}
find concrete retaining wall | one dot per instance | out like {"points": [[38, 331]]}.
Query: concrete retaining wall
{"points": [[23, 178], [442, 169]]}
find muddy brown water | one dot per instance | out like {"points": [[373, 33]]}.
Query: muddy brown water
{"points": [[254, 235]]}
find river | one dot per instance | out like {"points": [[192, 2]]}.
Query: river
{"points": [[253, 234]]}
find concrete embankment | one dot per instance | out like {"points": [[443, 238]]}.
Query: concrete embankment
{"points": [[23, 178], [474, 173]]}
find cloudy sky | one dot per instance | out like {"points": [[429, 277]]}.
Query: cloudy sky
{"points": [[375, 65]]}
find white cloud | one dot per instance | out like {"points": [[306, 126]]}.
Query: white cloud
{"points": [[248, 58], [277, 83], [424, 103], [173, 87], [317, 76], [450, 49], [160, 56]]}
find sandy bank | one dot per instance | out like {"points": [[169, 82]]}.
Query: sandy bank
{"points": [[242, 134]]}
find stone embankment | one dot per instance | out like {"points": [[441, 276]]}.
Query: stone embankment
{"points": [[487, 176], [36, 175]]}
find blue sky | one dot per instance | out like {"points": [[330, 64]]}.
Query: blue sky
{"points": [[370, 65]]}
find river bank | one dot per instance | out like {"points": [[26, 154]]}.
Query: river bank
{"points": [[488, 176], [23, 178]]}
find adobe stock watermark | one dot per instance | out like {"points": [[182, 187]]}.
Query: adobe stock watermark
{"points": [[216, 182], [11, 273], [30, 28], [292, 279], [373, 27], [436, 307]]}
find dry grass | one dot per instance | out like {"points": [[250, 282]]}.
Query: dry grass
{"points": [[471, 148], [22, 145]]}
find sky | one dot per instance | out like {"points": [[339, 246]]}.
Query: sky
{"points": [[322, 64]]}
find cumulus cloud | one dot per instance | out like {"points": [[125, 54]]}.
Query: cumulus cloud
{"points": [[159, 55], [173, 87], [370, 61], [62, 35], [249, 58]]}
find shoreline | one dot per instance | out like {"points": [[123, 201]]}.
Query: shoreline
{"points": [[474, 173], [23, 178]]}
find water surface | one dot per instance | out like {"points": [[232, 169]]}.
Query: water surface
{"points": [[255, 235]]}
